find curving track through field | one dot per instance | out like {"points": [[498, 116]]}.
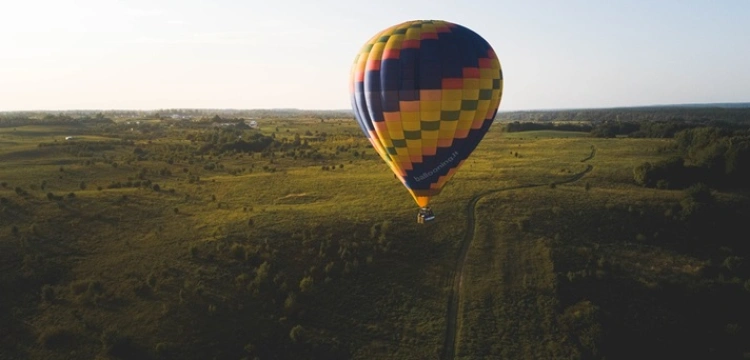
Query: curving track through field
{"points": [[449, 345]]}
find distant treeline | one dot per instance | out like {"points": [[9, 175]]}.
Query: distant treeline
{"points": [[636, 122], [718, 157], [611, 129], [187, 113], [19, 119], [702, 113], [517, 126]]}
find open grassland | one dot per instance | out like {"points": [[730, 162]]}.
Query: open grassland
{"points": [[131, 242]]}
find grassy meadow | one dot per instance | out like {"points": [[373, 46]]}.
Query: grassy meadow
{"points": [[141, 241]]}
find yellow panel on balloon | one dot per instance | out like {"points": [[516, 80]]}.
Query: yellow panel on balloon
{"points": [[430, 115], [470, 84], [447, 134], [451, 105], [488, 73], [394, 42], [395, 130], [466, 115], [472, 94], [431, 105], [429, 134], [453, 94], [414, 145], [448, 125], [401, 152], [418, 152], [413, 33], [377, 51], [410, 116], [411, 125], [482, 107]]}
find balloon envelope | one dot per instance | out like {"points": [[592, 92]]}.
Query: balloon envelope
{"points": [[425, 92]]}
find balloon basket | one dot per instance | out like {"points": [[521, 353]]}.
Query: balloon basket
{"points": [[425, 215]]}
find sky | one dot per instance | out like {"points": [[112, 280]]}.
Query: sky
{"points": [[261, 54]]}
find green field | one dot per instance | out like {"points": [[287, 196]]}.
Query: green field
{"points": [[160, 242]]}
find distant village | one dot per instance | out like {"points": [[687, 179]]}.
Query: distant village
{"points": [[219, 118]]}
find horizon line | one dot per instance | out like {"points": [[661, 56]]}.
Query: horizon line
{"points": [[699, 104]]}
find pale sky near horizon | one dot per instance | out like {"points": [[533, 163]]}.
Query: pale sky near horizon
{"points": [[158, 54]]}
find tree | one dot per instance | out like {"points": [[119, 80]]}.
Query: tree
{"points": [[306, 284], [297, 334], [670, 173], [698, 199], [737, 161]]}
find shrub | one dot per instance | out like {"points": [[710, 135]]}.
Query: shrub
{"points": [[193, 251], [671, 173], [698, 199], [291, 302], [297, 333], [732, 263], [238, 251], [55, 337], [151, 280], [306, 284]]}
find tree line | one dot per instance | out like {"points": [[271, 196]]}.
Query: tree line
{"points": [[739, 112], [716, 156]]}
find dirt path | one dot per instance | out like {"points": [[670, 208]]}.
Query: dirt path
{"points": [[449, 345]]}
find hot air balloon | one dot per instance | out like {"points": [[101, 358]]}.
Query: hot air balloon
{"points": [[425, 92]]}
